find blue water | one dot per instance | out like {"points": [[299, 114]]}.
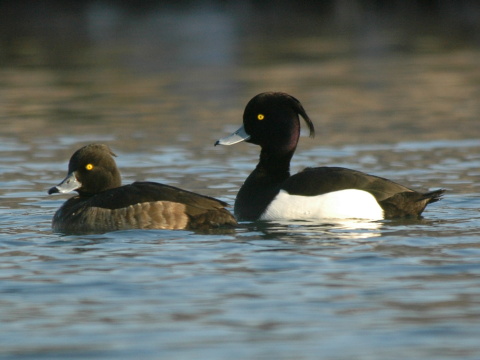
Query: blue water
{"points": [[384, 290], [402, 105]]}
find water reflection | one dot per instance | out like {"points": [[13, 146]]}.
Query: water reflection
{"points": [[307, 231], [126, 68]]}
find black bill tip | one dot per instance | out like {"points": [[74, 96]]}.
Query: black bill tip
{"points": [[53, 190]]}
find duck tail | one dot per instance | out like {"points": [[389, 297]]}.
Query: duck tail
{"points": [[409, 204], [432, 196]]}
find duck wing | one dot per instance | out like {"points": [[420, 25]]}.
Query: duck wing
{"points": [[396, 200], [322, 180], [142, 192]]}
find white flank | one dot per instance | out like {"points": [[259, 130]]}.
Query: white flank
{"points": [[343, 204]]}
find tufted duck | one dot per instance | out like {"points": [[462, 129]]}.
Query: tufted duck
{"points": [[271, 120], [103, 205]]}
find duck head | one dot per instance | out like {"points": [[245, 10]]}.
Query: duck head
{"points": [[271, 120], [91, 170]]}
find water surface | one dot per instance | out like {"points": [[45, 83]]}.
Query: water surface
{"points": [[160, 86]]}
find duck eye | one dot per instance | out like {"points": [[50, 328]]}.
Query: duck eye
{"points": [[260, 116], [89, 167]]}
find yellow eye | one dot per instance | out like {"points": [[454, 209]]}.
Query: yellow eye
{"points": [[89, 167], [260, 116]]}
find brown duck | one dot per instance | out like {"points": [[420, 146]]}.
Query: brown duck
{"points": [[103, 204]]}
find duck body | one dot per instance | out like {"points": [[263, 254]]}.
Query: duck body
{"points": [[103, 205], [329, 193], [271, 120]]}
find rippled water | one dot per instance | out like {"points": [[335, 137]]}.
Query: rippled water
{"points": [[403, 106]]}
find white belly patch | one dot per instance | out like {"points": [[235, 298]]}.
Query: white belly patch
{"points": [[342, 204]]}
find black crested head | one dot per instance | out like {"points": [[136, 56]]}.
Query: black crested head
{"points": [[272, 121]]}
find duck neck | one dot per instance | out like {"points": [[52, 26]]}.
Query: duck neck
{"points": [[262, 185], [274, 167]]}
